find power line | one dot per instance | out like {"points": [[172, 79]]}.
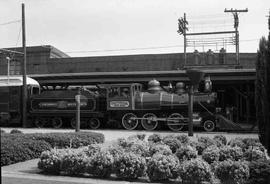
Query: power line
{"points": [[115, 50], [10, 22], [142, 48]]}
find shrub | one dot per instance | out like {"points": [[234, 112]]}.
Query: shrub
{"points": [[159, 148], [15, 131], [101, 164], [73, 162], [253, 154], [232, 172], [92, 149], [64, 140], [139, 147], [237, 142], [122, 142], [2, 131], [137, 136], [253, 143], [130, 166], [211, 154], [162, 167], [184, 139], [220, 138], [127, 143], [172, 142], [155, 138], [115, 151], [230, 153], [195, 171], [186, 153], [50, 161], [18, 149], [203, 143], [259, 171]]}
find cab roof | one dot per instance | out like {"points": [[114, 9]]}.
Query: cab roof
{"points": [[16, 81]]}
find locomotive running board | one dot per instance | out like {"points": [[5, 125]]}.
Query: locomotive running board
{"points": [[195, 121]]}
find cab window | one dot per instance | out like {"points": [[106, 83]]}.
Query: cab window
{"points": [[113, 92], [125, 92], [35, 90]]}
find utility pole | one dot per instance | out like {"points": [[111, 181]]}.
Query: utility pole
{"points": [[182, 30], [235, 13], [24, 91]]}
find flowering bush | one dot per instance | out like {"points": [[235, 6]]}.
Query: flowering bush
{"points": [[186, 153], [162, 167], [127, 143], [253, 143], [129, 166], [184, 139], [203, 143], [137, 136], [159, 148], [232, 172], [220, 139], [122, 142], [232, 153], [211, 154], [195, 171], [73, 162], [237, 142], [253, 154], [139, 147], [50, 161], [116, 151], [92, 149], [172, 142], [101, 164], [15, 131], [259, 171], [155, 138]]}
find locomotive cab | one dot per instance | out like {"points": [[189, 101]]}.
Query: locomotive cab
{"points": [[121, 96]]}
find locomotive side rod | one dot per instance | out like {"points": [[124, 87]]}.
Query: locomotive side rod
{"points": [[161, 119]]}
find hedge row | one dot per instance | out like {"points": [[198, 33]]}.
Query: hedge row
{"points": [[20, 147], [162, 159]]}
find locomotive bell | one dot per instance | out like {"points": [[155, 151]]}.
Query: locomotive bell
{"points": [[154, 86], [180, 88]]}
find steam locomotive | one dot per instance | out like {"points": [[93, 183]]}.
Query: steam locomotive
{"points": [[126, 104]]}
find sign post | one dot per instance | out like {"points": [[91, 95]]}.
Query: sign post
{"points": [[78, 111], [195, 76]]}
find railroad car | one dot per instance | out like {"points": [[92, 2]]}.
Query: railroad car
{"points": [[11, 97], [56, 107]]}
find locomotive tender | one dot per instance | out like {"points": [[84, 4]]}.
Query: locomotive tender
{"points": [[128, 104]]}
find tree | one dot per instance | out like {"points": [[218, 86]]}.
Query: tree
{"points": [[262, 90]]}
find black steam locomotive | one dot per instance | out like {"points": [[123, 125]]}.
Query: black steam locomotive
{"points": [[127, 104]]}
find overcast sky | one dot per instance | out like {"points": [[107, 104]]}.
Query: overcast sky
{"points": [[121, 27]]}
